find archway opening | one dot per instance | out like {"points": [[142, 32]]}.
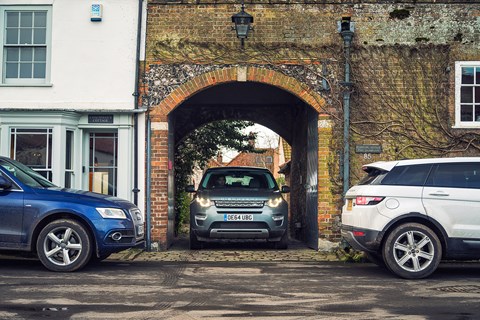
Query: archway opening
{"points": [[282, 112]]}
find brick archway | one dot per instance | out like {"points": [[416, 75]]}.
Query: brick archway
{"points": [[232, 74], [161, 231]]}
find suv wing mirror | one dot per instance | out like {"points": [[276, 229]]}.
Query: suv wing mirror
{"points": [[285, 189], [190, 188]]}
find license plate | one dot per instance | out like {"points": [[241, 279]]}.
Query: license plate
{"points": [[238, 217], [349, 204], [140, 230]]}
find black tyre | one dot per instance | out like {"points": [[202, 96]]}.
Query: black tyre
{"points": [[64, 245], [194, 243], [283, 243], [412, 251]]}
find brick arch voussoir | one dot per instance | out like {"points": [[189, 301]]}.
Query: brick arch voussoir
{"points": [[254, 74]]}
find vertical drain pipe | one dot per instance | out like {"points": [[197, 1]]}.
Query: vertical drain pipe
{"points": [[148, 208], [136, 190], [346, 29]]}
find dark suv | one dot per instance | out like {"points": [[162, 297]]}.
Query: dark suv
{"points": [[238, 203]]}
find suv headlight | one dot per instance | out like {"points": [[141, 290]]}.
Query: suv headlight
{"points": [[112, 213], [275, 202], [204, 202]]}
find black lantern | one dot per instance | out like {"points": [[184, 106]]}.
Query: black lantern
{"points": [[242, 22]]}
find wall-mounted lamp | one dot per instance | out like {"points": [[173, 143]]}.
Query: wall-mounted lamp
{"points": [[242, 21], [346, 28]]}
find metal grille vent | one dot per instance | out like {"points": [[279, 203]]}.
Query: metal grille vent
{"points": [[239, 204], [460, 289]]}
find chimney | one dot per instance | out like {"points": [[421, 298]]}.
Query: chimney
{"points": [[220, 157]]}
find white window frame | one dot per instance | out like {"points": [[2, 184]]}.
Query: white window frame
{"points": [[29, 81], [458, 84], [15, 131]]}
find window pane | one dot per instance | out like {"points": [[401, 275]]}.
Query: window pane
{"points": [[103, 163], [477, 94], [477, 112], [40, 54], [68, 179], [478, 75], [39, 36], [39, 70], [68, 150], [407, 175], [12, 19], [466, 113], [49, 149], [11, 70], [26, 54], [33, 147], [12, 54], [40, 19], [466, 94], [467, 75], [26, 19], [25, 70], [31, 150], [12, 36], [455, 175], [25, 36]]}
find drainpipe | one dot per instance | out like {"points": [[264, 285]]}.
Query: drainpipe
{"points": [[346, 29], [148, 199], [136, 94]]}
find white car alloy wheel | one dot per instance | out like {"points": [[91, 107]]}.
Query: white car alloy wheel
{"points": [[412, 251], [64, 245]]}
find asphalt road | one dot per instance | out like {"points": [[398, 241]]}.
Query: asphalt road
{"points": [[235, 290]]}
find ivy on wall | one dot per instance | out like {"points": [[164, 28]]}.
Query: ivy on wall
{"points": [[402, 95]]}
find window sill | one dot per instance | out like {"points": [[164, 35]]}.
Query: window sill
{"points": [[26, 84], [462, 126]]}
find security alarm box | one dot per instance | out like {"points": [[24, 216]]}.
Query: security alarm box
{"points": [[96, 12]]}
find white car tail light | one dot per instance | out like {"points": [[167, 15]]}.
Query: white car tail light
{"points": [[368, 201]]}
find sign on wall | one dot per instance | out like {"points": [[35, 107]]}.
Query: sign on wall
{"points": [[100, 118], [368, 148]]}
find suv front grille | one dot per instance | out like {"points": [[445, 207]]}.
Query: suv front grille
{"points": [[239, 225], [239, 203]]}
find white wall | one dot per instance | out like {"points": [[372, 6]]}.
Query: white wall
{"points": [[92, 63]]}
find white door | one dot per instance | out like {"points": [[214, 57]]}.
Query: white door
{"points": [[103, 162], [452, 197]]}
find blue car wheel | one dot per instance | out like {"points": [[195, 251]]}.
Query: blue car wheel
{"points": [[64, 245]]}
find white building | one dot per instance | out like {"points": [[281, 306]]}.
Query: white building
{"points": [[68, 90]]}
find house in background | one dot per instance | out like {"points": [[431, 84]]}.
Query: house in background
{"points": [[68, 88], [265, 158]]}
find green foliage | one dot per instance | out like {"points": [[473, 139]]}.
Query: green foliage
{"points": [[182, 210], [281, 181], [199, 147]]}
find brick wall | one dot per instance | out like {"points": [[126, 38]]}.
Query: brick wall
{"points": [[198, 33]]}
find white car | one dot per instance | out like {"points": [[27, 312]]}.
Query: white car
{"points": [[410, 214]]}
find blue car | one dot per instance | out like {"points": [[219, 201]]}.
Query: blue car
{"points": [[66, 228]]}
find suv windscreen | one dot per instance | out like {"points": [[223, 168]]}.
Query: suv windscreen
{"points": [[238, 179], [414, 175], [25, 175]]}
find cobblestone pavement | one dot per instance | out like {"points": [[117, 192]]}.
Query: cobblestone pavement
{"points": [[179, 251]]}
